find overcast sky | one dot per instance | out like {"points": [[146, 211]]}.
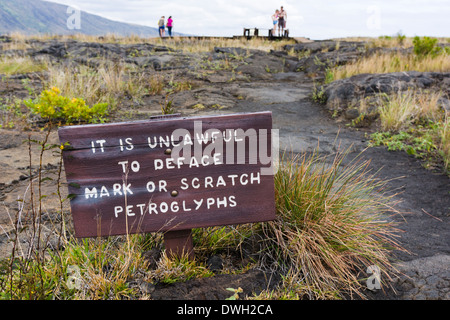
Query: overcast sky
{"points": [[315, 19]]}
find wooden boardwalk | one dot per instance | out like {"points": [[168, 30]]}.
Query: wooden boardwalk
{"points": [[296, 39]]}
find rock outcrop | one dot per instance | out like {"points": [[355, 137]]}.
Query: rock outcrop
{"points": [[347, 93]]}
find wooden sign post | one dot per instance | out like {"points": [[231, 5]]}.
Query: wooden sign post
{"points": [[169, 175]]}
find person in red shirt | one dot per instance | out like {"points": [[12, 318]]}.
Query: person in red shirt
{"points": [[170, 25]]}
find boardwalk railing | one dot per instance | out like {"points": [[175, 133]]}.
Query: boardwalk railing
{"points": [[254, 32]]}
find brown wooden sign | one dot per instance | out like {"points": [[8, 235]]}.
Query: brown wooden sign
{"points": [[169, 174]]}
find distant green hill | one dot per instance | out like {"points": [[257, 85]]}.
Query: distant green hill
{"points": [[36, 16]]}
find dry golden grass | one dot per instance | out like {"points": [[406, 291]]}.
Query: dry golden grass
{"points": [[208, 44], [388, 41], [184, 44], [428, 106], [392, 62], [18, 65], [108, 83], [398, 111]]}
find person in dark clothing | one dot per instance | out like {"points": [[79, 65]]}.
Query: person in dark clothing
{"points": [[282, 17]]}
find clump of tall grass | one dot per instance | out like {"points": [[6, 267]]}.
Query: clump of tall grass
{"points": [[87, 269], [399, 110], [331, 226], [107, 83], [103, 267], [179, 269], [216, 239], [62, 267], [414, 121], [17, 65], [83, 82]]}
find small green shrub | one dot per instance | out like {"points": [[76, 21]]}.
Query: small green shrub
{"points": [[426, 46], [319, 95], [329, 76], [51, 105], [400, 38]]}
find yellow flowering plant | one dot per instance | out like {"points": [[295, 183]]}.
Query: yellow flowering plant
{"points": [[53, 106]]}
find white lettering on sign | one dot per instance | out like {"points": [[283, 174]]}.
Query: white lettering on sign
{"points": [[128, 144], [135, 166], [97, 143], [204, 161], [176, 206], [230, 180], [184, 154]]}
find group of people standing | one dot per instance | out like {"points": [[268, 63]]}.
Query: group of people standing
{"points": [[279, 19], [162, 26]]}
